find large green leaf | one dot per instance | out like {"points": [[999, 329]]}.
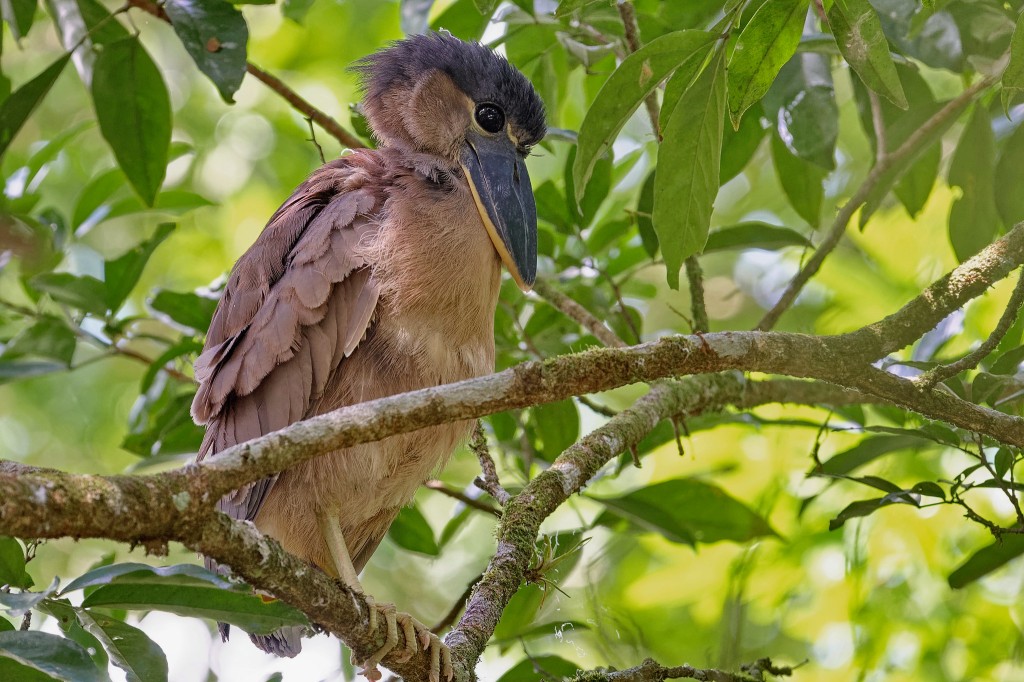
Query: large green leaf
{"points": [[540, 669], [635, 78], [38, 655], [187, 308], [84, 292], [19, 15], [129, 648], [754, 235], [802, 181], [558, 425], [688, 511], [767, 42], [16, 109], [186, 590], [47, 337], [973, 219], [134, 113], [869, 450], [686, 183], [858, 33], [1009, 179], [1013, 76], [987, 559], [12, 564], [410, 530], [122, 274], [215, 35]]}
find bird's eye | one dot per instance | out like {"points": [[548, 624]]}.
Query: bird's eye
{"points": [[490, 117]]}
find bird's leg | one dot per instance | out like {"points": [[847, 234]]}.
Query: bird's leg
{"points": [[414, 631]]}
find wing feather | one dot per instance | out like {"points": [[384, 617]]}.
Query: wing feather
{"points": [[296, 304]]}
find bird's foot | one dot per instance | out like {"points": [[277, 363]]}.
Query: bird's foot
{"points": [[415, 635]]}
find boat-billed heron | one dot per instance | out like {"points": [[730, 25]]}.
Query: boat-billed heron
{"points": [[379, 275]]}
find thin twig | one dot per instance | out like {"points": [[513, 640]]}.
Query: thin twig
{"points": [[1010, 495], [577, 312], [488, 482], [971, 360], [440, 487], [293, 98], [838, 228], [312, 138], [596, 407], [695, 276]]}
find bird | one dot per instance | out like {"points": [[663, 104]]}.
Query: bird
{"points": [[380, 274]]}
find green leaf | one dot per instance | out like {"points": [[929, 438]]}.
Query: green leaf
{"points": [[215, 35], [739, 147], [129, 648], [767, 42], [869, 450], [858, 33], [186, 308], [411, 531], [186, 590], [48, 337], [754, 235], [686, 183], [1013, 76], [122, 274], [14, 370], [84, 292], [134, 113], [90, 206], [862, 508], [6, 625], [636, 77], [66, 616], [16, 109], [19, 15], [50, 655], [987, 559], [485, 7], [462, 20], [540, 669], [801, 182], [1010, 178], [687, 511], [558, 425], [104, 575], [973, 219], [296, 10], [644, 215], [912, 121], [801, 105], [12, 564]]}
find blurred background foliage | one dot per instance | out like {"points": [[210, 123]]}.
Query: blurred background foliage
{"points": [[737, 541]]}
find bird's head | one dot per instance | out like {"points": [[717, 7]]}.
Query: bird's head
{"points": [[460, 101]]}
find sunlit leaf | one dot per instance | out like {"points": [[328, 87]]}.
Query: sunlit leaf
{"points": [[134, 113], [635, 78], [540, 669], [18, 15], [863, 508], [687, 511], [870, 449], [686, 183], [858, 33], [767, 42]]}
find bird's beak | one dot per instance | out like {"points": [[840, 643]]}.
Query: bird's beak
{"points": [[504, 198]]}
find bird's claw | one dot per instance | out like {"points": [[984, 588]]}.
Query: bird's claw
{"points": [[415, 635]]}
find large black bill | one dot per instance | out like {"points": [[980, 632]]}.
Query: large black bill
{"points": [[501, 187]]}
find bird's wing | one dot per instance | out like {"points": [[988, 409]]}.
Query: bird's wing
{"points": [[297, 303]]}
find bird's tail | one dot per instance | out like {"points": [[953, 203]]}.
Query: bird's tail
{"points": [[286, 642]]}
